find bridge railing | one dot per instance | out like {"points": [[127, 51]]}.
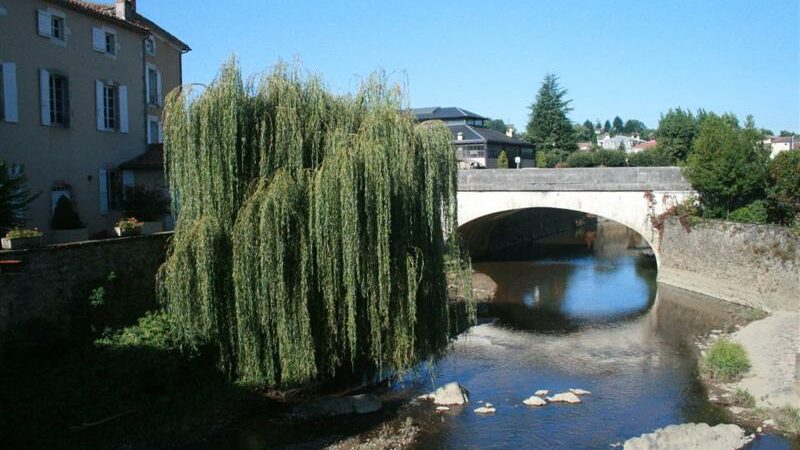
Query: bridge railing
{"points": [[575, 179]]}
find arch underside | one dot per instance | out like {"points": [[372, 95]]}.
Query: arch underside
{"points": [[629, 208]]}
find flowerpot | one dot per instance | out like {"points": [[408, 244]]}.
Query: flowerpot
{"points": [[21, 243], [134, 232], [152, 227], [67, 236]]}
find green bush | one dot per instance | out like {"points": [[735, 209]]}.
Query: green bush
{"points": [[582, 159], [725, 361], [755, 212], [502, 160], [610, 158], [152, 330], [145, 204], [783, 188], [65, 217], [552, 157], [654, 157]]}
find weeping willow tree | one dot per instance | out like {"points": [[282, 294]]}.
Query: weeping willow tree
{"points": [[312, 232]]}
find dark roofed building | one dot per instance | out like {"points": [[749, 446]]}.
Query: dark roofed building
{"points": [[476, 145]]}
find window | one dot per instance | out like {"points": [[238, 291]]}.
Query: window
{"points": [[111, 46], [110, 190], [58, 99], [110, 107], [104, 40], [153, 130], [152, 86], [51, 24], [57, 28], [150, 45]]}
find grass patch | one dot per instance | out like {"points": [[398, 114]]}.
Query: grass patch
{"points": [[742, 397], [788, 419], [725, 361]]}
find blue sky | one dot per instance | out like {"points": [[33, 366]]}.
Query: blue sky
{"points": [[629, 58]]}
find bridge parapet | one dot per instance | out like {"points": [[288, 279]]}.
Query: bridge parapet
{"points": [[575, 179]]}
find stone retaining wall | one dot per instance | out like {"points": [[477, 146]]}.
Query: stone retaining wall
{"points": [[47, 295], [753, 265]]}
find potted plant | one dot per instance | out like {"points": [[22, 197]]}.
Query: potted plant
{"points": [[148, 205], [20, 238], [67, 225], [128, 226]]}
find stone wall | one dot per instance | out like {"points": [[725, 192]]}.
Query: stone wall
{"points": [[753, 265], [47, 296]]}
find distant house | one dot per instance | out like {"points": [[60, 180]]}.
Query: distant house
{"points": [[779, 144], [647, 145], [585, 146], [477, 146], [608, 142]]}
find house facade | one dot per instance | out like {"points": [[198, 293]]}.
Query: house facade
{"points": [[477, 146], [83, 87], [777, 144], [608, 142]]}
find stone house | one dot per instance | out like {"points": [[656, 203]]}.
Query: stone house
{"points": [[83, 87]]}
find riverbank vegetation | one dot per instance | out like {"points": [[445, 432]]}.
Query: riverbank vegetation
{"points": [[725, 361], [311, 233]]}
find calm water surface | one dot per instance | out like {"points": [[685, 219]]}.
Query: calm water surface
{"points": [[591, 318]]}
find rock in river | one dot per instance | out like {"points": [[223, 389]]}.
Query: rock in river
{"points": [[579, 392], [566, 397], [485, 410], [449, 394], [541, 392], [534, 401], [691, 436], [334, 406]]}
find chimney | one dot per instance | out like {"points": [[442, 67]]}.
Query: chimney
{"points": [[510, 132], [460, 136], [125, 9]]}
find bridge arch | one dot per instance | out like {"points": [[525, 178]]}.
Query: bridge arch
{"points": [[630, 196]]}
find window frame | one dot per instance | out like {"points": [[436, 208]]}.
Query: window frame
{"points": [[158, 137], [152, 90], [111, 43], [150, 45], [2, 94], [62, 28], [111, 107], [53, 89]]}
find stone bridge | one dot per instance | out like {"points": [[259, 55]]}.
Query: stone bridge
{"points": [[627, 195]]}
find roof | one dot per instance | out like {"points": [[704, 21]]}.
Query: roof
{"points": [[100, 11], [153, 158], [444, 113], [108, 12], [480, 135], [784, 139], [645, 145]]}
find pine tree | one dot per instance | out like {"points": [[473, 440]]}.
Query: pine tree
{"points": [[549, 126], [618, 125], [607, 126]]}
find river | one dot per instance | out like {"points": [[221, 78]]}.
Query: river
{"points": [[588, 316]]}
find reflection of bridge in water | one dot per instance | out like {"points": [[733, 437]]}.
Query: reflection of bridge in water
{"points": [[627, 195]]}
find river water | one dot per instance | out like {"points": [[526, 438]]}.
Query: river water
{"points": [[589, 316]]}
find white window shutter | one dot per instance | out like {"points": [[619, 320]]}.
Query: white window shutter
{"points": [[98, 39], [158, 88], [123, 108], [98, 87], [103, 179], [10, 92], [44, 90], [147, 85], [44, 23]]}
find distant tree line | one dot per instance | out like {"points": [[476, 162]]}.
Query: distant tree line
{"points": [[726, 162]]}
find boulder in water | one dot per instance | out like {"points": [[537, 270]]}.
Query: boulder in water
{"points": [[541, 392], [534, 401], [691, 436], [564, 397], [485, 410], [449, 394], [579, 392]]}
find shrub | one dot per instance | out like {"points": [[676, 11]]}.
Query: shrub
{"points": [[582, 159], [14, 196], [755, 212], [742, 397], [65, 217], [502, 160], [145, 204], [152, 330], [725, 361], [541, 160], [654, 157], [552, 157], [22, 233], [783, 188], [610, 158]]}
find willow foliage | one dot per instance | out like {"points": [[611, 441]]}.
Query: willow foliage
{"points": [[311, 233]]}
